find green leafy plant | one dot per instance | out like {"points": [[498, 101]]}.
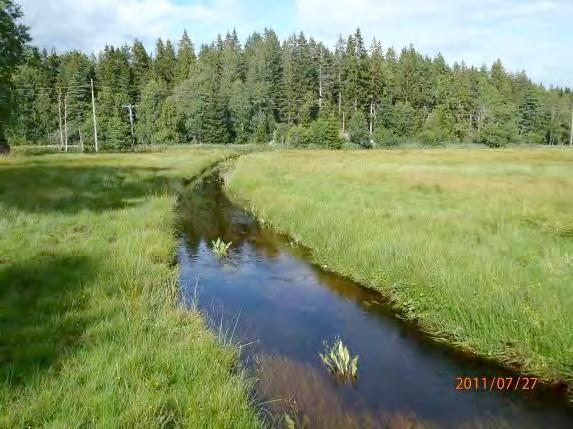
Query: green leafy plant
{"points": [[220, 248], [339, 362]]}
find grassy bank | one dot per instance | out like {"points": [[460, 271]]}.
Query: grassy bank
{"points": [[475, 245], [90, 333]]}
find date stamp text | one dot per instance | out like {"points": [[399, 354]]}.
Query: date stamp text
{"points": [[494, 383]]}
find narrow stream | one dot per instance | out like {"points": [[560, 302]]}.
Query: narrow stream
{"points": [[268, 294]]}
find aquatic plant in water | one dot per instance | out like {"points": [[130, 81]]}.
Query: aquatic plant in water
{"points": [[220, 248], [338, 360]]}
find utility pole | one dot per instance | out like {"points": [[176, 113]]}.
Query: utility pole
{"points": [[94, 114], [320, 81], [339, 90], [371, 118], [66, 122], [571, 137], [343, 121], [130, 108], [373, 108], [60, 118]]}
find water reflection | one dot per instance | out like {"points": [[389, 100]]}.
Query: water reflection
{"points": [[289, 306]]}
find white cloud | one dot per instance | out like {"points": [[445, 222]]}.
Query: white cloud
{"points": [[89, 25], [534, 35]]}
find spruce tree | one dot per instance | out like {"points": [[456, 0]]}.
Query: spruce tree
{"points": [[357, 129], [289, 84], [149, 110], [169, 126], [185, 59], [75, 73], [529, 112], [13, 37], [240, 111], [140, 65], [164, 61], [113, 89]]}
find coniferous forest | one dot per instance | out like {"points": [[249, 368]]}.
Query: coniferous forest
{"points": [[297, 92]]}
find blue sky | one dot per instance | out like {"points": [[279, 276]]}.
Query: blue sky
{"points": [[535, 35]]}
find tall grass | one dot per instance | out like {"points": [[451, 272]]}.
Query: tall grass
{"points": [[475, 246], [90, 330]]}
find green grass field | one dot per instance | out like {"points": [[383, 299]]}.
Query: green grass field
{"points": [[476, 246], [90, 331]]}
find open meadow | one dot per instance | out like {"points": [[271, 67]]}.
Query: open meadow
{"points": [[476, 246], [91, 333]]}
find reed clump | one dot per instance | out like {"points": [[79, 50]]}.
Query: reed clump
{"points": [[220, 248], [339, 361]]}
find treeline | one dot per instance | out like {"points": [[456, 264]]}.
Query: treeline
{"points": [[297, 92]]}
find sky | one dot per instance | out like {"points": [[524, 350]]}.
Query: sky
{"points": [[531, 35]]}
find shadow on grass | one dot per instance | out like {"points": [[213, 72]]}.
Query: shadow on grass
{"points": [[42, 313], [48, 187]]}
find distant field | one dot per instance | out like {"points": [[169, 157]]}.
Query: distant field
{"points": [[90, 333], [475, 245]]}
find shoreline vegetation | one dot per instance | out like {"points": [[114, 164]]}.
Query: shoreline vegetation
{"points": [[473, 246], [90, 328]]}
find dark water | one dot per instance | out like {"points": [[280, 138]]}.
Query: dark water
{"points": [[268, 293]]}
